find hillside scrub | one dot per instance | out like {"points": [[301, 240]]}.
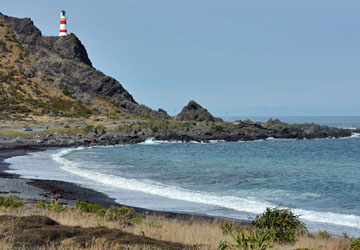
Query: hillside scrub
{"points": [[84, 228]]}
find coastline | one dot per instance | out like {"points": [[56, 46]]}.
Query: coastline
{"points": [[33, 190]]}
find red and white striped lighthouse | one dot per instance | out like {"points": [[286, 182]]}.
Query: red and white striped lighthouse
{"points": [[63, 31]]}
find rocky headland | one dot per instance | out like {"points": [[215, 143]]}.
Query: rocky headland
{"points": [[49, 78]]}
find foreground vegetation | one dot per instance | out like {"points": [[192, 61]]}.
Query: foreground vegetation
{"points": [[51, 225]]}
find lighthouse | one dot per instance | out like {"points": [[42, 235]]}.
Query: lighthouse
{"points": [[63, 31]]}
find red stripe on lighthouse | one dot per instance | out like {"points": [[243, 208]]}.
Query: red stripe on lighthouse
{"points": [[62, 21], [63, 31]]}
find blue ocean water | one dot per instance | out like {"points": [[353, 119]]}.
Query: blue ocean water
{"points": [[318, 179]]}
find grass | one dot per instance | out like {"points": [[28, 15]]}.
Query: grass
{"points": [[11, 201], [14, 133], [65, 130], [83, 227], [90, 208]]}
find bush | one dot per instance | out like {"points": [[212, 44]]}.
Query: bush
{"points": [[281, 223], [127, 127], [124, 215], [255, 240], [53, 205], [227, 227], [219, 128], [67, 126], [324, 235], [88, 128], [66, 92], [50, 79], [11, 201], [90, 208], [355, 244]]}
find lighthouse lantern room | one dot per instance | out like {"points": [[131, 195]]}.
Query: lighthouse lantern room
{"points": [[63, 31]]}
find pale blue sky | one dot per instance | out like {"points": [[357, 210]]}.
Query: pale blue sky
{"points": [[269, 57]]}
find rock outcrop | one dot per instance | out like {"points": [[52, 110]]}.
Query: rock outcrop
{"points": [[64, 62], [33, 67], [194, 112]]}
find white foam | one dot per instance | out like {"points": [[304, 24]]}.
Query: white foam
{"points": [[353, 135], [152, 141], [155, 188], [216, 141]]}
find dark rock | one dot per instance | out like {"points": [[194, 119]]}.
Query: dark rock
{"points": [[3, 47], [29, 73], [163, 113], [65, 59], [274, 122], [194, 112]]}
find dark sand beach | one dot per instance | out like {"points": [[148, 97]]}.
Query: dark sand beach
{"points": [[67, 192]]}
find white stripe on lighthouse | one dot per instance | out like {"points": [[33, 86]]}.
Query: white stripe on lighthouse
{"points": [[63, 30]]}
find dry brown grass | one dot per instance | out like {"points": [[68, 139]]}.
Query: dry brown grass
{"points": [[62, 130], [14, 133], [317, 243], [203, 234]]}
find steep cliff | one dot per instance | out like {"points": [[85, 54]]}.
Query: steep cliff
{"points": [[63, 63]]}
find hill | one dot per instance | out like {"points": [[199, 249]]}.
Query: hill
{"points": [[54, 76], [49, 81]]}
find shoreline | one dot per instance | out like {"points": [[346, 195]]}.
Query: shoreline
{"points": [[68, 192]]}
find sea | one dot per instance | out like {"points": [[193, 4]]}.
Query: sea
{"points": [[318, 179]]}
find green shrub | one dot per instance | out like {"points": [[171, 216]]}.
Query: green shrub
{"points": [[219, 128], [67, 126], [50, 79], [124, 215], [324, 235], [127, 127], [227, 227], [281, 223], [11, 201], [88, 128], [90, 208], [254, 240], [145, 116], [53, 205], [355, 244], [66, 92]]}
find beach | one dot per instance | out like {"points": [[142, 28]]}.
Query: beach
{"points": [[177, 226], [67, 193]]}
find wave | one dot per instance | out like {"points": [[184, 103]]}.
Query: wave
{"points": [[353, 135], [152, 141], [247, 205]]}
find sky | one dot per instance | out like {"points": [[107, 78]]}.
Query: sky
{"points": [[233, 57]]}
